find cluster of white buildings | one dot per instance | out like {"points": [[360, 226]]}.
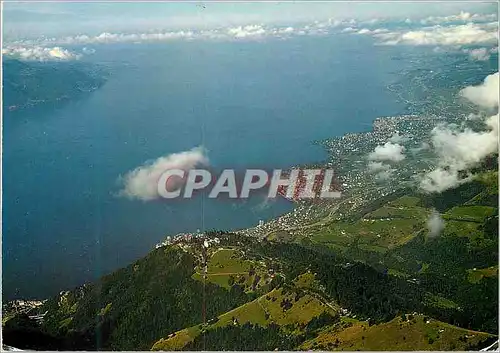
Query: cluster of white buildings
{"points": [[178, 238], [25, 305], [209, 242], [186, 238]]}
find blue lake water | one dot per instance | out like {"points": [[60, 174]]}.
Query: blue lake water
{"points": [[253, 104]]}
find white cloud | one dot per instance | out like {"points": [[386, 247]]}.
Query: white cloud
{"points": [[458, 151], [107, 37], [484, 95], [246, 31], [372, 21], [441, 179], [480, 54], [142, 182], [461, 17], [40, 53], [228, 33], [474, 116], [422, 147], [388, 152], [119, 37], [464, 148], [382, 171], [377, 166], [286, 30], [348, 30], [372, 31], [471, 33], [435, 224], [467, 34], [384, 175], [364, 31]]}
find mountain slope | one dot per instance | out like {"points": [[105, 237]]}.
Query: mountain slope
{"points": [[344, 280], [132, 307]]}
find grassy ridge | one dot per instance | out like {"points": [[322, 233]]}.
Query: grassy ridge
{"points": [[413, 332], [284, 307]]}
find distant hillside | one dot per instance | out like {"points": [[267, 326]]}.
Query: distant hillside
{"points": [[28, 84]]}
